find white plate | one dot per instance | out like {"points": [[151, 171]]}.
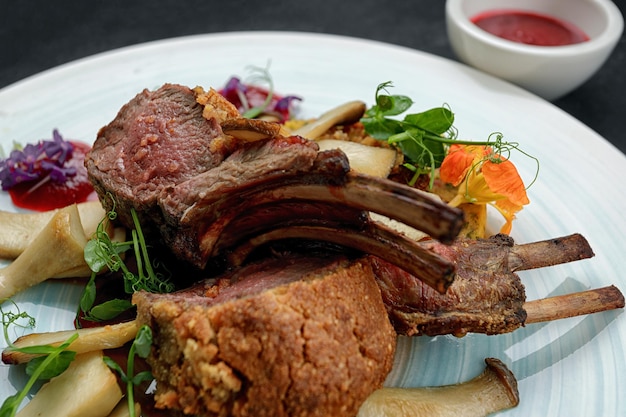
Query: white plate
{"points": [[573, 367]]}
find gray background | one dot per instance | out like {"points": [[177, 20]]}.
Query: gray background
{"points": [[36, 35]]}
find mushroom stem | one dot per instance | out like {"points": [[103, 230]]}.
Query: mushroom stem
{"points": [[493, 390]]}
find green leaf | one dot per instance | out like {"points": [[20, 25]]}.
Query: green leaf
{"points": [[437, 151], [381, 129], [413, 148], [89, 294], [115, 366], [10, 405], [422, 137], [53, 368], [143, 341], [437, 121], [109, 309], [141, 377], [388, 105], [392, 105], [95, 253]]}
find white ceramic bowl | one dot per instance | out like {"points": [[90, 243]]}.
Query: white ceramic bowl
{"points": [[548, 71]]}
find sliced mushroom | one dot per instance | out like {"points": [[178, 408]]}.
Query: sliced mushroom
{"points": [[89, 339], [56, 249], [370, 160], [20, 229], [88, 388], [346, 113], [251, 130]]}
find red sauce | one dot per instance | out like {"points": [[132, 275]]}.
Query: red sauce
{"points": [[52, 195], [529, 28]]}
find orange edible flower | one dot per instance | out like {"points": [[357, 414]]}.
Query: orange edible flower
{"points": [[484, 177]]}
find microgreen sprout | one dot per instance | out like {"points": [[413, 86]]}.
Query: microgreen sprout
{"points": [[502, 151], [140, 347], [256, 96], [260, 75], [101, 252], [49, 362], [422, 137], [14, 318]]}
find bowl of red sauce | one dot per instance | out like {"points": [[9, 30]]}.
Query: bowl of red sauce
{"points": [[547, 47]]}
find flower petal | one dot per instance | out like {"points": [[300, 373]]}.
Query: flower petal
{"points": [[508, 211], [502, 178], [456, 164]]}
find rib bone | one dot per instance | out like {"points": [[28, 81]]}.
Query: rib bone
{"points": [[549, 252], [431, 269], [575, 304], [214, 222], [486, 295]]}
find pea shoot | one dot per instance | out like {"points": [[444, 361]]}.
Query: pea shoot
{"points": [[101, 252], [422, 137], [263, 75], [14, 318], [50, 362], [141, 347], [257, 97]]}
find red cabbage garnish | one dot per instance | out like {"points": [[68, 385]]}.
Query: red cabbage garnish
{"points": [[44, 160], [248, 97]]}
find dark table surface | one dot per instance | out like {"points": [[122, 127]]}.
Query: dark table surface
{"points": [[36, 35]]}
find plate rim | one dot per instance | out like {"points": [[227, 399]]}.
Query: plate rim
{"points": [[621, 158]]}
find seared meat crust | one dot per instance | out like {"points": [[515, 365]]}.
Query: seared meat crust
{"points": [[315, 344]]}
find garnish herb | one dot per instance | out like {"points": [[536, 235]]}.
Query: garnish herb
{"points": [[54, 360], [263, 75], [141, 347], [253, 101], [10, 318], [422, 137], [101, 252]]}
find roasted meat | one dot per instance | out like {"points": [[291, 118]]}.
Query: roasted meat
{"points": [[487, 296], [284, 336], [167, 157]]}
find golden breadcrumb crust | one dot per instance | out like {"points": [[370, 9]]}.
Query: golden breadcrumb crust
{"points": [[315, 347]]}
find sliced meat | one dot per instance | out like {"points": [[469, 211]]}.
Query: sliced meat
{"points": [[166, 157], [287, 336], [158, 139]]}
